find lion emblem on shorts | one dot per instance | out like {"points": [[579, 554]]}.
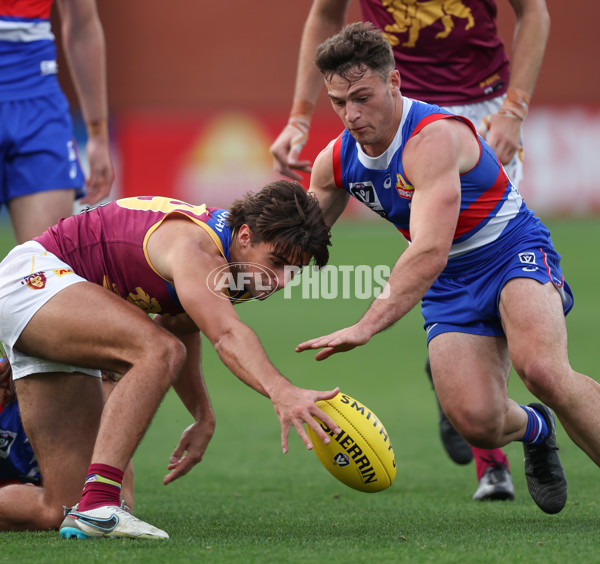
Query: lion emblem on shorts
{"points": [[36, 281]]}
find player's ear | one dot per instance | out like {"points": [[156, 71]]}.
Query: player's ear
{"points": [[395, 80], [244, 236]]}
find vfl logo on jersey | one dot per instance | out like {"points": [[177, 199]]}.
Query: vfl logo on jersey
{"points": [[404, 189], [36, 281], [529, 259], [341, 459], [7, 438], [365, 193]]}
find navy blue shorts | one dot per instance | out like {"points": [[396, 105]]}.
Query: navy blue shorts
{"points": [[37, 149], [468, 303]]}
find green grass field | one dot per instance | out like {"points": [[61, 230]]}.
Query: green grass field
{"points": [[246, 502]]}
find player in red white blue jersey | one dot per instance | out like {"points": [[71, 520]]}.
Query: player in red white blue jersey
{"points": [[40, 172], [482, 265], [451, 55]]}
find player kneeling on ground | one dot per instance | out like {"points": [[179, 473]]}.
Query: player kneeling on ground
{"points": [[68, 310]]}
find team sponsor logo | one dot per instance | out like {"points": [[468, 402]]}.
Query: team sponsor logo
{"points": [[35, 281], [365, 192], [404, 189], [529, 259], [62, 271], [231, 281], [48, 67], [221, 221]]}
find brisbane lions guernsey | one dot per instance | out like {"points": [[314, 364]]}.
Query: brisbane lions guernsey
{"points": [[447, 51], [490, 205], [27, 50], [107, 245]]}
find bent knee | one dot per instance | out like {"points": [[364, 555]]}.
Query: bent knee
{"points": [[479, 428], [166, 355], [43, 518], [547, 382]]}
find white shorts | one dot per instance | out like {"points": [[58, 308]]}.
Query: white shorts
{"points": [[475, 114], [29, 277]]}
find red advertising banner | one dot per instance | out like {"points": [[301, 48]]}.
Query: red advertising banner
{"points": [[217, 158]]}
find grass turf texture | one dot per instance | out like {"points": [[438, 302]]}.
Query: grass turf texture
{"points": [[247, 502]]}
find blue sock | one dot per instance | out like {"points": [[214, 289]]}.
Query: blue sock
{"points": [[537, 428]]}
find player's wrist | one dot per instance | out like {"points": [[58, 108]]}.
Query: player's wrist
{"points": [[516, 104], [301, 113], [97, 128]]}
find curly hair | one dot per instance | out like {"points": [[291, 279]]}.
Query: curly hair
{"points": [[289, 218], [358, 47]]}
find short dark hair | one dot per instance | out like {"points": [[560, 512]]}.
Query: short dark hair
{"points": [[286, 216], [357, 45]]}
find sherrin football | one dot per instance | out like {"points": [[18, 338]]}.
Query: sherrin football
{"points": [[361, 455]]}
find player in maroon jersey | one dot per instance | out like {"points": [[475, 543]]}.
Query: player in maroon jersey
{"points": [[75, 302]]}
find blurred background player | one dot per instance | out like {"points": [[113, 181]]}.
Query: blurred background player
{"points": [[40, 174], [449, 54]]}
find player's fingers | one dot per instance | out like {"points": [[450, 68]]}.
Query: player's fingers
{"points": [[178, 470], [327, 395], [303, 434], [285, 431], [325, 353], [315, 343]]}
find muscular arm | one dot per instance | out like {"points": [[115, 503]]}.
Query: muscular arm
{"points": [[433, 161], [326, 18], [191, 389], [332, 199], [84, 47], [532, 28], [185, 253]]}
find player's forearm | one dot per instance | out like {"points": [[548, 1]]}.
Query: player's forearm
{"points": [[85, 53], [411, 277], [241, 351], [532, 28], [190, 385], [324, 20]]}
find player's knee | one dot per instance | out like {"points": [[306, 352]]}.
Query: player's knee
{"points": [[46, 517], [478, 427], [543, 379], [167, 355]]}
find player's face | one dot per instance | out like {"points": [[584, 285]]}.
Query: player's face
{"points": [[269, 271], [369, 107]]}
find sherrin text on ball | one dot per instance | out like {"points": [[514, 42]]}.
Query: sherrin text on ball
{"points": [[361, 454]]}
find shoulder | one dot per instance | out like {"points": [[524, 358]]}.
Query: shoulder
{"points": [[323, 172]]}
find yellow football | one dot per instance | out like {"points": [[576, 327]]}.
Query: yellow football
{"points": [[361, 455]]}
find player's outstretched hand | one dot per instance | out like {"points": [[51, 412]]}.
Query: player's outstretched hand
{"points": [[295, 407], [190, 450], [287, 147], [341, 341]]}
